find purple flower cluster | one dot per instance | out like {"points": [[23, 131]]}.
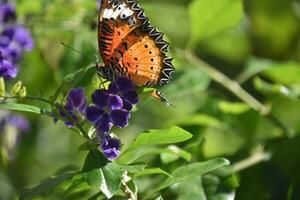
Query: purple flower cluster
{"points": [[74, 108], [110, 107], [14, 40]]}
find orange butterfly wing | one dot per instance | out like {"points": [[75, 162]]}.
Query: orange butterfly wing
{"points": [[130, 46]]}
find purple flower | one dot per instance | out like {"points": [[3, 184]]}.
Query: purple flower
{"points": [[15, 120], [124, 88], [14, 40], [23, 37], [107, 111], [74, 107], [110, 147], [19, 122], [7, 13], [7, 70], [76, 101]]}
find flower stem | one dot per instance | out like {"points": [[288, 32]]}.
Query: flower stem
{"points": [[130, 194]]}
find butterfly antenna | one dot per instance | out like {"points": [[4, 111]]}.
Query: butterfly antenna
{"points": [[72, 48]]}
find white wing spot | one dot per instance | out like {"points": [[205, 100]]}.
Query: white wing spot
{"points": [[118, 10], [126, 13], [107, 13]]}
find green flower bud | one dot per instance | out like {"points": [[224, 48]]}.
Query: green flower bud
{"points": [[16, 88], [23, 92], [2, 87]]}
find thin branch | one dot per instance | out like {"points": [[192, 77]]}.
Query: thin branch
{"points": [[229, 84], [236, 89], [251, 161]]}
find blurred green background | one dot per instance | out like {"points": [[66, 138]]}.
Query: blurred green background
{"points": [[256, 43]]}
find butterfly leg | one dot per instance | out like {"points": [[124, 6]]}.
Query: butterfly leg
{"points": [[161, 97]]}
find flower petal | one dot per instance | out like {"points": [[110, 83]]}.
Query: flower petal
{"points": [[111, 147], [120, 118], [23, 37], [76, 99], [104, 124], [131, 96], [93, 113], [7, 70], [127, 105], [100, 98], [20, 122], [115, 102], [112, 88], [7, 12], [124, 84]]}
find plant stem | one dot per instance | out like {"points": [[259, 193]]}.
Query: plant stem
{"points": [[52, 105], [250, 161], [127, 190], [229, 84]]}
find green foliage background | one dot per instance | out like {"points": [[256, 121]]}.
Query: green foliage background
{"points": [[236, 90]]}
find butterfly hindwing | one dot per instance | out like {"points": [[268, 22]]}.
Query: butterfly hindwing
{"points": [[131, 47]]}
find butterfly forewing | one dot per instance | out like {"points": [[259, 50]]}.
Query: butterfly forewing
{"points": [[130, 47]]}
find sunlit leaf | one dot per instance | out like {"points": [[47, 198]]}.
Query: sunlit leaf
{"points": [[161, 136], [203, 120], [152, 137], [174, 154], [285, 72], [233, 107], [209, 17], [133, 168], [99, 173], [159, 198], [151, 171], [191, 170], [22, 107]]}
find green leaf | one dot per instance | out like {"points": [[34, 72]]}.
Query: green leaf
{"points": [[159, 198], [233, 108], [210, 17], [277, 88], [203, 120], [152, 137], [132, 155], [100, 174], [254, 66], [46, 185], [133, 168], [152, 171], [191, 170], [173, 153], [22, 107], [287, 73], [161, 136]]}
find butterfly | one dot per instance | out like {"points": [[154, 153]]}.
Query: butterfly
{"points": [[131, 47]]}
